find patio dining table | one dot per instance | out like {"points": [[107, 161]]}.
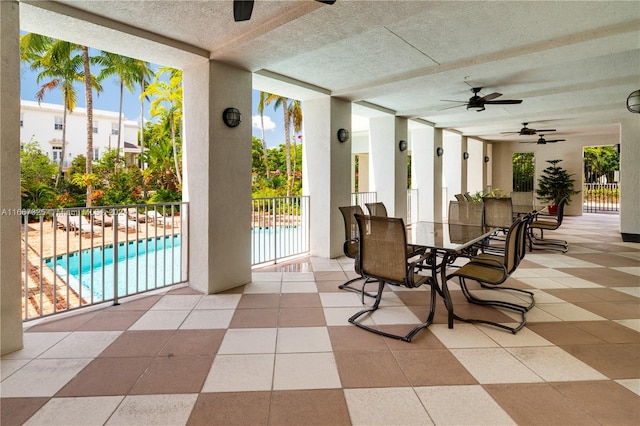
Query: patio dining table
{"points": [[446, 243]]}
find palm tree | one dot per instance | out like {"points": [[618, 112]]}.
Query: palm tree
{"points": [[284, 103], [88, 92], [261, 105], [167, 103], [128, 72], [295, 115], [60, 65]]}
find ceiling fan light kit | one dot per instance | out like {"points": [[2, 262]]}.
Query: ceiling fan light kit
{"points": [[633, 102], [477, 103], [242, 9]]}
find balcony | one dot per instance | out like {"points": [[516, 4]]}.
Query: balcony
{"points": [[280, 351]]}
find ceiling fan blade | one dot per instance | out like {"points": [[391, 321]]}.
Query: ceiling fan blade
{"points": [[509, 133], [242, 10], [455, 106], [505, 102], [490, 96], [449, 100], [545, 130], [555, 140], [327, 1]]}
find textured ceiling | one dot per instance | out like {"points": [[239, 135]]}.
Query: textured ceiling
{"points": [[572, 63]]}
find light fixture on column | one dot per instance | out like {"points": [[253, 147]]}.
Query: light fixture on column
{"points": [[343, 135], [402, 145], [439, 151], [486, 158], [633, 102], [231, 117], [465, 155]]}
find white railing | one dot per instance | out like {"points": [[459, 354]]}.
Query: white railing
{"points": [[72, 257], [361, 198], [601, 197], [279, 228]]}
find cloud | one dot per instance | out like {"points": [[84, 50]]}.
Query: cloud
{"points": [[268, 123]]}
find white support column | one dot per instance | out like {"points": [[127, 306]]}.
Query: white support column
{"points": [[422, 154], [388, 165], [10, 247], [629, 178], [217, 181], [437, 176], [463, 164], [327, 166]]}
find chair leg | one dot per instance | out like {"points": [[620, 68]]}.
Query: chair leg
{"points": [[408, 336], [519, 290], [494, 303], [347, 286]]}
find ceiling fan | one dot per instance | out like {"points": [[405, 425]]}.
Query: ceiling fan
{"points": [[242, 8], [526, 131], [543, 141], [478, 102]]}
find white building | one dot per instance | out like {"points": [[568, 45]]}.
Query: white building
{"points": [[43, 123]]}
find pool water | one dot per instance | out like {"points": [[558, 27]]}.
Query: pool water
{"points": [[141, 265]]}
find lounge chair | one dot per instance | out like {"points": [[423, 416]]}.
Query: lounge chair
{"points": [[125, 224], [81, 226]]}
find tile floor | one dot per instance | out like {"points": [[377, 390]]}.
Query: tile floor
{"points": [[279, 351]]}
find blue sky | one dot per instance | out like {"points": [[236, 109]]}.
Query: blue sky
{"points": [[109, 100]]}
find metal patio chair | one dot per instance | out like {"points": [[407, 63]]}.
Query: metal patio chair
{"points": [[383, 256]]}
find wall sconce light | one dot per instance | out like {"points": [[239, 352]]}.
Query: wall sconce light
{"points": [[343, 135], [402, 145], [465, 155], [439, 151], [486, 158], [633, 102], [231, 117]]}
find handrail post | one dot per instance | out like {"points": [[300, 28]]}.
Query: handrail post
{"points": [[115, 260]]}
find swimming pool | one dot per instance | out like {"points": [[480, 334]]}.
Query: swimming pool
{"points": [[141, 265]]}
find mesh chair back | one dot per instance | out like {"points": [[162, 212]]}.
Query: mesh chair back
{"points": [[498, 212], [465, 213], [460, 198], [377, 209], [383, 248], [513, 245], [561, 205], [351, 241]]}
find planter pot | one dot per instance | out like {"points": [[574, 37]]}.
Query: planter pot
{"points": [[553, 209]]}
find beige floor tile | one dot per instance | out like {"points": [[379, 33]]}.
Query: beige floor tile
{"points": [[42, 377], [568, 312], [462, 405], [79, 411], [386, 406], [160, 320], [339, 300], [177, 302], [153, 410], [554, 364], [219, 301], [10, 366], [262, 287], [494, 365], [524, 337], [35, 344], [303, 339], [632, 384], [305, 371], [249, 341], [207, 319], [82, 344], [462, 336], [633, 324], [299, 287], [235, 373]]}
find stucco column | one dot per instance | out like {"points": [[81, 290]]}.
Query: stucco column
{"points": [[464, 172], [629, 178], [327, 166], [217, 176], [422, 154], [437, 176], [10, 284], [388, 165]]}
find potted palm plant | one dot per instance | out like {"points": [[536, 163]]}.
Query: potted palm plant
{"points": [[554, 184]]}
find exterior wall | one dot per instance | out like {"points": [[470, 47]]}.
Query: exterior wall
{"points": [[38, 124], [569, 151]]}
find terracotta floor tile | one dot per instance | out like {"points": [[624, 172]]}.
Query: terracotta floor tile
{"points": [[113, 320], [604, 276], [350, 338], [301, 317], [564, 333], [300, 300], [231, 408], [619, 361], [250, 318], [107, 376], [433, 367], [259, 301], [605, 259], [174, 374], [331, 276], [610, 331], [606, 402], [15, 411], [193, 342], [306, 407], [138, 343], [369, 369], [613, 310], [538, 404], [575, 295]]}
